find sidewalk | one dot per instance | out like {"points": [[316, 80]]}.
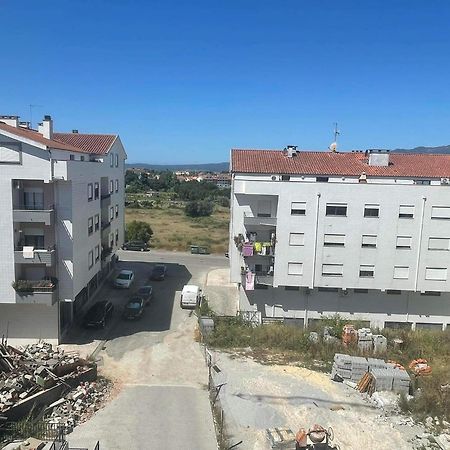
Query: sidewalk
{"points": [[221, 294]]}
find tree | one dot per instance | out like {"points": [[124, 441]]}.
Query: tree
{"points": [[199, 208], [139, 231]]}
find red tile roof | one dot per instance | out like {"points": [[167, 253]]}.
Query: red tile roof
{"points": [[33, 135], [342, 164], [88, 143]]}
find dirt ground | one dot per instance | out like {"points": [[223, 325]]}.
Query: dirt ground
{"points": [[256, 397]]}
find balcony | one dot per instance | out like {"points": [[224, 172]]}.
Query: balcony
{"points": [[106, 252], [38, 213], [261, 277], [105, 225], [40, 256], [268, 221], [36, 291]]}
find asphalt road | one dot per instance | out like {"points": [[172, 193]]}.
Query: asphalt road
{"points": [[161, 400]]}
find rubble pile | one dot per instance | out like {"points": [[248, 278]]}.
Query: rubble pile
{"points": [[26, 371], [78, 405]]}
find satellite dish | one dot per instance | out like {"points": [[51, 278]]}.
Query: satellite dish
{"points": [[333, 146]]}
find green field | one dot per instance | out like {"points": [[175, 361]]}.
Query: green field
{"points": [[173, 230]]}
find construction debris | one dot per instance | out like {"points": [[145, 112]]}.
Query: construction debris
{"points": [[420, 367]]}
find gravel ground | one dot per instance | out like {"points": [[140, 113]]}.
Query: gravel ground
{"points": [[256, 397]]}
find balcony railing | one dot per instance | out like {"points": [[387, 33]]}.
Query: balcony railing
{"points": [[105, 225], [252, 220], [34, 212], [106, 252], [40, 256], [36, 291]]}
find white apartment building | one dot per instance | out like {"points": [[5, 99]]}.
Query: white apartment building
{"points": [[362, 234], [62, 220]]}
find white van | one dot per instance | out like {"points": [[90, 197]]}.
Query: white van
{"points": [[190, 296]]}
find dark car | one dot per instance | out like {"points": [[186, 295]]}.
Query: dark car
{"points": [[98, 314], [133, 309], [158, 272], [146, 293], [136, 245]]}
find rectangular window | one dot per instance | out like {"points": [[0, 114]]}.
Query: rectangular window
{"points": [[393, 292], [295, 268], [297, 239], [406, 212], [111, 160], [369, 241], [285, 177], [431, 293], [117, 210], [111, 213], [291, 288], [298, 208], [82, 158], [423, 182], [116, 157], [328, 289], [371, 210], [332, 270], [361, 291], [436, 273], [403, 242], [97, 253], [336, 209], [440, 212], [334, 240], [96, 190], [117, 185], [401, 272], [97, 222], [89, 192], [117, 237], [90, 259], [111, 240], [438, 243], [72, 157], [322, 179], [111, 186], [366, 271], [90, 226]]}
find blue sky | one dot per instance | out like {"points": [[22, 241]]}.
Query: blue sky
{"points": [[183, 82]]}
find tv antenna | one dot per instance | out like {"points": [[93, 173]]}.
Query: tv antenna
{"points": [[333, 145], [31, 113]]}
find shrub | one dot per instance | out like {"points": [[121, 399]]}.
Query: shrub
{"points": [[139, 231], [200, 208]]}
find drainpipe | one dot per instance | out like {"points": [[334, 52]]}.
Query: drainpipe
{"points": [[424, 199], [315, 242]]}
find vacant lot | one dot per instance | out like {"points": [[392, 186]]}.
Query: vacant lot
{"points": [[173, 230]]}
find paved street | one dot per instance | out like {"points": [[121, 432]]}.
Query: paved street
{"points": [[160, 374]]}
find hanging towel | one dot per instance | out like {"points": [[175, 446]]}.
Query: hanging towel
{"points": [[247, 250], [258, 247], [250, 281]]}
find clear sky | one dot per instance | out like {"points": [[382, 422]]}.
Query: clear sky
{"points": [[185, 81]]}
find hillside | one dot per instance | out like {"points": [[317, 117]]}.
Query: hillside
{"points": [[441, 149], [208, 167]]}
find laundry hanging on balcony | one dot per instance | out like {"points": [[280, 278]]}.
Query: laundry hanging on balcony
{"points": [[247, 249], [250, 281]]}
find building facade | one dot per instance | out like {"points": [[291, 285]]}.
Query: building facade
{"points": [[365, 235], [62, 222]]}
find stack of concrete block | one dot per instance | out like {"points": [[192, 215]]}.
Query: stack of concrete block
{"points": [[359, 368], [347, 367], [391, 379], [382, 379], [379, 343], [365, 340], [400, 381]]}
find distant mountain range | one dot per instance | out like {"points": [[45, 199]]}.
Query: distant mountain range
{"points": [[211, 167], [441, 149]]}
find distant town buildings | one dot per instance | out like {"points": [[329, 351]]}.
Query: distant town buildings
{"points": [[362, 234], [62, 222]]}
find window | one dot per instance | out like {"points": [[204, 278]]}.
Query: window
{"points": [[336, 209], [436, 273], [322, 179], [111, 160], [117, 210], [366, 271], [117, 185], [423, 182], [297, 239], [440, 212], [90, 259], [334, 240], [291, 288], [90, 226], [117, 237], [89, 190], [295, 268], [332, 270], [371, 210], [111, 213], [97, 253], [361, 291], [285, 177], [406, 212], [401, 272], [438, 243], [111, 240], [72, 157], [403, 242], [96, 190], [431, 293], [10, 153], [117, 159], [298, 208], [111, 186], [82, 158], [97, 222], [393, 292], [369, 241], [328, 289]]}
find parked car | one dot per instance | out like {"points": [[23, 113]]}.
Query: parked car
{"points": [[159, 272], [146, 293], [133, 309], [98, 314], [124, 280], [136, 245]]}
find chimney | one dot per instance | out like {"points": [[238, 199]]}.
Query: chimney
{"points": [[46, 127], [291, 150], [26, 125], [379, 158], [12, 121]]}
